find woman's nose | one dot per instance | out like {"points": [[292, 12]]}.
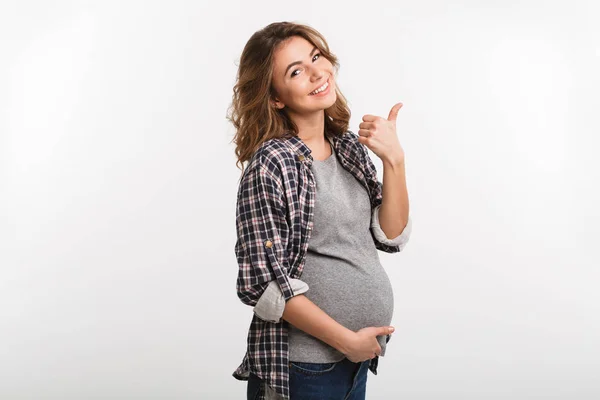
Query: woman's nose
{"points": [[318, 75]]}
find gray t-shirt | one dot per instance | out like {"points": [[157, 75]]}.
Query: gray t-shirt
{"points": [[342, 267]]}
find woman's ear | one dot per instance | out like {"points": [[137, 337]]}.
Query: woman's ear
{"points": [[277, 104]]}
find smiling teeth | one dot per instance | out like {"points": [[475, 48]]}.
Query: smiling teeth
{"points": [[319, 90]]}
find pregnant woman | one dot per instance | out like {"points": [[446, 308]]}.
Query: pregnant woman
{"points": [[311, 216]]}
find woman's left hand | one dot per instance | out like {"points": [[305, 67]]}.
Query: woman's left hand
{"points": [[379, 135]]}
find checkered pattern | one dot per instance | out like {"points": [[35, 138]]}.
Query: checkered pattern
{"points": [[274, 220]]}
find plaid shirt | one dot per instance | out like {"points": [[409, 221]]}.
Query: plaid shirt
{"points": [[274, 220]]}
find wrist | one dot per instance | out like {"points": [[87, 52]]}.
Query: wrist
{"points": [[344, 340], [394, 164], [395, 160]]}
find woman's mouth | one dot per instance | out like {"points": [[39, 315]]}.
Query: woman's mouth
{"points": [[321, 91]]}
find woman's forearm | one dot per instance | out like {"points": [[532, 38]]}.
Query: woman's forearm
{"points": [[308, 317], [393, 214]]}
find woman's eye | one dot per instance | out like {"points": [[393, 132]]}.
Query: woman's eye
{"points": [[318, 54]]}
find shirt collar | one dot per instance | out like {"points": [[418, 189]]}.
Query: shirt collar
{"points": [[303, 151]]}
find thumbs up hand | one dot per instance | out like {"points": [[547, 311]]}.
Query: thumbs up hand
{"points": [[379, 135]]}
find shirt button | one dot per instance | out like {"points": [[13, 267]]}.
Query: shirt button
{"points": [[301, 157], [269, 244]]}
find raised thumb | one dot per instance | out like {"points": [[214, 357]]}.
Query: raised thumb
{"points": [[394, 112]]}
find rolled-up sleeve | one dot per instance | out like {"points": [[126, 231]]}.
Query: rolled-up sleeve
{"points": [[401, 240], [271, 305], [261, 236]]}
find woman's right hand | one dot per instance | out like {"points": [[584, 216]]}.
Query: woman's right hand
{"points": [[363, 345]]}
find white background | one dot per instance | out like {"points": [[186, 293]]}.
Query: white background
{"points": [[118, 186]]}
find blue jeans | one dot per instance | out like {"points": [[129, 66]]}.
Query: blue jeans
{"points": [[342, 380]]}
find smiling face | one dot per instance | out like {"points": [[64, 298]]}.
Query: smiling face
{"points": [[299, 69]]}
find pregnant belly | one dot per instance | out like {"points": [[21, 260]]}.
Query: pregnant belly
{"points": [[356, 303]]}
